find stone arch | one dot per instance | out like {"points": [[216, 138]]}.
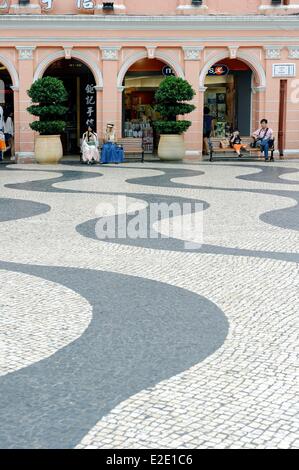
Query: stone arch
{"points": [[249, 59], [12, 71], [81, 56], [143, 55]]}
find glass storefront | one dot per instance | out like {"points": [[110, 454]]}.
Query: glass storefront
{"points": [[79, 82], [141, 82], [6, 93], [228, 96]]}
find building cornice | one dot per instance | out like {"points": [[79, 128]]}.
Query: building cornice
{"points": [[224, 41], [126, 22]]}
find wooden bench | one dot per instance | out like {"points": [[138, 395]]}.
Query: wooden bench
{"points": [[214, 148], [132, 146]]}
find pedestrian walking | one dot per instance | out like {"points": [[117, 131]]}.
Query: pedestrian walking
{"points": [[208, 128]]}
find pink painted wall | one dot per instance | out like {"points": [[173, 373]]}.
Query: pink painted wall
{"points": [[87, 41], [235, 7], [171, 7], [152, 7]]}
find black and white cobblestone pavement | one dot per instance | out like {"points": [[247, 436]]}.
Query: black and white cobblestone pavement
{"points": [[142, 343]]}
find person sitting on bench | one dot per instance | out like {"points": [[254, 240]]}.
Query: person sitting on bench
{"points": [[236, 142], [263, 138]]}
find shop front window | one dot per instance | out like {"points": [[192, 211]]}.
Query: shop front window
{"points": [[141, 83], [228, 96]]}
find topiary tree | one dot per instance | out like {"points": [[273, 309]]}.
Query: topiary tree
{"points": [[170, 98], [48, 94]]}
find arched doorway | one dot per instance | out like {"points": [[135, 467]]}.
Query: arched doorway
{"points": [[80, 84], [138, 114], [228, 96], [6, 99]]}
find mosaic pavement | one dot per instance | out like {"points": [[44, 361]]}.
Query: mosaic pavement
{"points": [[142, 343]]}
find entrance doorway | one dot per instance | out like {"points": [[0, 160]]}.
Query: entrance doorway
{"points": [[228, 96], [7, 104], [80, 85], [141, 83]]}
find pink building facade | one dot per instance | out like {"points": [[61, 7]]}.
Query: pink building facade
{"points": [[114, 54]]}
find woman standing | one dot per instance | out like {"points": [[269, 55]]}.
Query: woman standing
{"points": [[111, 153], [208, 129], [90, 152]]}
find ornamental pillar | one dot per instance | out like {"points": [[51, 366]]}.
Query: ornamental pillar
{"points": [[270, 110], [193, 137], [25, 140], [111, 96]]}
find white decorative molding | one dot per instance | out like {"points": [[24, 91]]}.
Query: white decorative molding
{"points": [[24, 155], [17, 7], [151, 52], [192, 7], [202, 89], [110, 53], [82, 56], [233, 50], [295, 6], [251, 60], [153, 23], [121, 88], [4, 5], [273, 52], [12, 71], [258, 89], [26, 52], [293, 52], [192, 52], [116, 6], [142, 41], [98, 88], [68, 52], [143, 55], [291, 151]]}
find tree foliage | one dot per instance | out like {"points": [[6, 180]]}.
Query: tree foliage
{"points": [[171, 98], [48, 95]]}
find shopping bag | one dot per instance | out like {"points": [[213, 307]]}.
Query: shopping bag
{"points": [[2, 142]]}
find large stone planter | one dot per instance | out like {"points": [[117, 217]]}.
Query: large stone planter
{"points": [[171, 147], [48, 149]]}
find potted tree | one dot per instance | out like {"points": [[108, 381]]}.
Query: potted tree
{"points": [[171, 98], [48, 95]]}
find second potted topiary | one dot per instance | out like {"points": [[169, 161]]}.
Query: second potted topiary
{"points": [[48, 95], [171, 98]]}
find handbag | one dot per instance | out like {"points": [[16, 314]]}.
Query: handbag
{"points": [[224, 143], [2, 142], [271, 143]]}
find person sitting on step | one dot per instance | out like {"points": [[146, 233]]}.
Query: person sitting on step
{"points": [[236, 142]]}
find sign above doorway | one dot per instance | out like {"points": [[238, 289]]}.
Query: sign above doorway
{"points": [[167, 71], [218, 70]]}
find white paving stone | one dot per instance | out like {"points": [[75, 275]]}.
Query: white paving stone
{"points": [[243, 396], [37, 317]]}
